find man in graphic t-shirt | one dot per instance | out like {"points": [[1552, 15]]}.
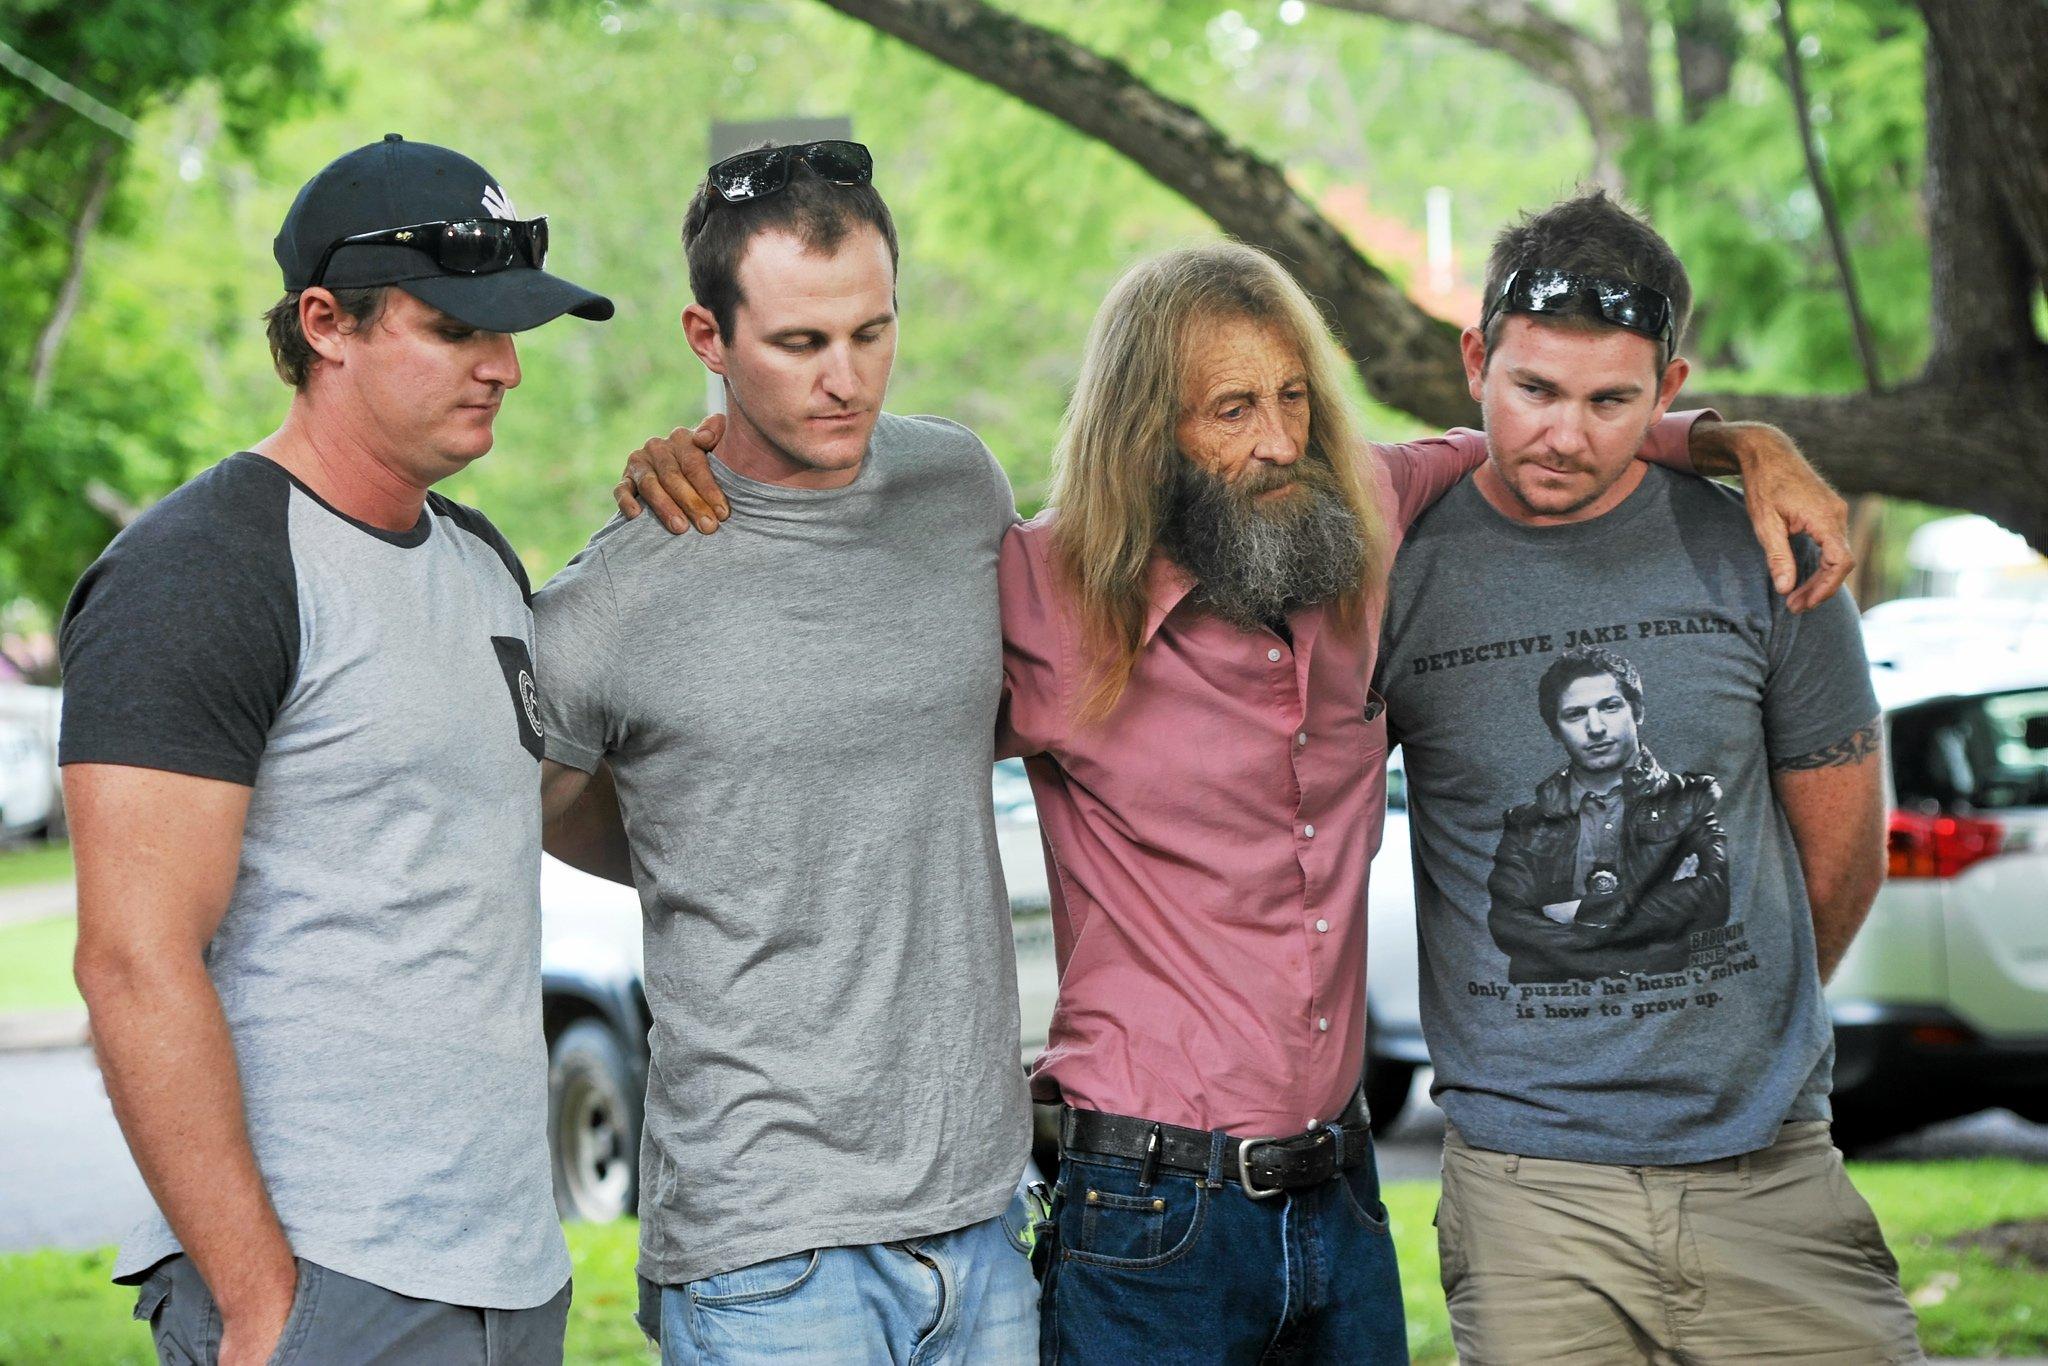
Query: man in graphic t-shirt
{"points": [[1621, 978], [300, 758], [1617, 861]]}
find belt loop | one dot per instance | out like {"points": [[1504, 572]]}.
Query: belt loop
{"points": [[1336, 1132], [1514, 1163], [1219, 1143], [1742, 1169], [1149, 1169]]}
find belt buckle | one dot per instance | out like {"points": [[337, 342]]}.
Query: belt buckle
{"points": [[1244, 1170]]}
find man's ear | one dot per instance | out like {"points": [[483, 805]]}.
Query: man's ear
{"points": [[323, 323], [1668, 387], [1472, 345], [700, 328]]}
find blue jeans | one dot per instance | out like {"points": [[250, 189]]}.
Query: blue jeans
{"points": [[963, 1297], [1194, 1270]]}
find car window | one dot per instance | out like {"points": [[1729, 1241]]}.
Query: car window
{"points": [[1979, 753]]}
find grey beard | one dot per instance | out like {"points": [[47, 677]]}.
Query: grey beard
{"points": [[1252, 566]]}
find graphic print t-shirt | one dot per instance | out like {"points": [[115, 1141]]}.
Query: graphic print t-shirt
{"points": [[1616, 944]]}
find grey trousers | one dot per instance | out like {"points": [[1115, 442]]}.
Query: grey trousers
{"points": [[337, 1320]]}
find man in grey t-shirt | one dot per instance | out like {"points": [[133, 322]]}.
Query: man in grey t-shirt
{"points": [[798, 715], [1647, 810], [300, 757]]}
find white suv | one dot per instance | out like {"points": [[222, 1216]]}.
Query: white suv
{"points": [[1941, 1006]]}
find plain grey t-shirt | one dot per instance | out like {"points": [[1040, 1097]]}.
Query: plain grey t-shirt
{"points": [[379, 960], [1617, 956], [800, 714]]}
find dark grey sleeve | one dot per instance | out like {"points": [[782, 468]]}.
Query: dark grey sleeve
{"points": [[181, 641], [1817, 690]]}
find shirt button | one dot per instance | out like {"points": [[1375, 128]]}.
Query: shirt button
{"points": [[1323, 1024], [1301, 737], [1273, 655], [1308, 832], [1322, 927]]}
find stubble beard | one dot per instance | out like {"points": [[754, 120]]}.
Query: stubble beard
{"points": [[1254, 562]]}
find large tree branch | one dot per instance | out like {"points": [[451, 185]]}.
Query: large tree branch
{"points": [[1610, 83], [1399, 349], [1987, 426], [1971, 441]]}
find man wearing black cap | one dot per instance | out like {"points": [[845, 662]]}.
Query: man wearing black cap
{"points": [[301, 754]]}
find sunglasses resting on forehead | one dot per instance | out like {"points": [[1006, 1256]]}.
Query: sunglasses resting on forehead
{"points": [[764, 171], [467, 246], [1541, 290]]}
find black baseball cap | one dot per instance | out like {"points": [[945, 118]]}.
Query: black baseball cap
{"points": [[394, 184]]}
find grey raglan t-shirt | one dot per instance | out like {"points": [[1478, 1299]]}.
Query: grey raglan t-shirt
{"points": [[379, 960], [1617, 949], [800, 714]]}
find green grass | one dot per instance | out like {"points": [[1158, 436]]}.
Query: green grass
{"points": [[33, 863], [35, 967], [57, 1307]]}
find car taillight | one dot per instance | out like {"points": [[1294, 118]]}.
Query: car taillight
{"points": [[1940, 846]]}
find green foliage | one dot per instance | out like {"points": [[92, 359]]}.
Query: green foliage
{"points": [[121, 412], [1013, 226], [1731, 193]]}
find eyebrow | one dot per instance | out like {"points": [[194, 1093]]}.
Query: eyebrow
{"points": [[793, 331], [1522, 376], [1241, 392]]}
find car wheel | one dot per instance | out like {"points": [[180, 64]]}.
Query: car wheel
{"points": [[593, 1124], [1387, 1084]]}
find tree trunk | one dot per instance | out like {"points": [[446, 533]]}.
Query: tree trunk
{"points": [[1972, 439], [1994, 56]]}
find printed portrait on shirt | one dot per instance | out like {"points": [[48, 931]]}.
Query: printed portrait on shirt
{"points": [[1617, 862]]}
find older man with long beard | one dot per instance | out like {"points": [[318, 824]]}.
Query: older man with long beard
{"points": [[1187, 641], [1188, 637]]}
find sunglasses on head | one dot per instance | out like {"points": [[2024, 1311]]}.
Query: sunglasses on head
{"points": [[757, 174], [465, 246], [1624, 303]]}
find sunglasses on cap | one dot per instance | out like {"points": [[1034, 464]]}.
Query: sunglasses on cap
{"points": [[1624, 303], [760, 173], [465, 246]]}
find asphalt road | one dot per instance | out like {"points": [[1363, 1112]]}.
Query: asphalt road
{"points": [[66, 1179]]}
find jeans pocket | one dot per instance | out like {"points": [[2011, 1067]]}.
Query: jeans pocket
{"points": [[1361, 1194], [769, 1280], [1108, 1221]]}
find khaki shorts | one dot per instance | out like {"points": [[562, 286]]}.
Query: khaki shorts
{"points": [[1771, 1256]]}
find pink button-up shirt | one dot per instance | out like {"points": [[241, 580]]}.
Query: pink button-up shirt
{"points": [[1208, 841]]}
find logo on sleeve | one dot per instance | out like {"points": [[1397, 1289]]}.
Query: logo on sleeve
{"points": [[518, 666]]}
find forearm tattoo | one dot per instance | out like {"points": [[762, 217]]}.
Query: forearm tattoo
{"points": [[1853, 750]]}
